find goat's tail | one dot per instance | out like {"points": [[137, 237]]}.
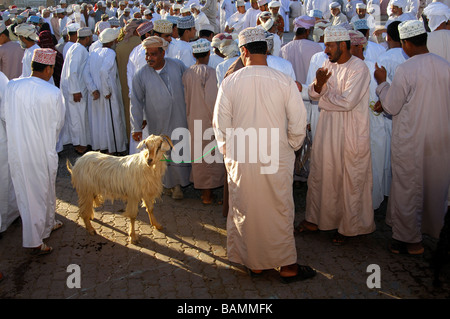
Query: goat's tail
{"points": [[69, 166]]}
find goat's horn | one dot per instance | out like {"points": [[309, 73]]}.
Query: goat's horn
{"points": [[168, 140]]}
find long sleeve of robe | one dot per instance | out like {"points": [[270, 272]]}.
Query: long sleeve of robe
{"points": [[261, 215], [33, 123], [160, 98], [418, 99], [340, 180]]}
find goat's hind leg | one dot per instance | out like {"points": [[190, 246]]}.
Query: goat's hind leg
{"points": [[149, 207]]}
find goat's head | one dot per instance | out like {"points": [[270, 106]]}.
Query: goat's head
{"points": [[157, 146]]}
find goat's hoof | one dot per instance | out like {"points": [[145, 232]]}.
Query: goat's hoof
{"points": [[92, 231], [158, 226], [134, 240]]}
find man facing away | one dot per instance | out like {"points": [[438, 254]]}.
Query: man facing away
{"points": [[417, 99], [34, 115], [260, 220]]}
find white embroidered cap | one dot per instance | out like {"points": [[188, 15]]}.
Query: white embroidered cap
{"points": [[201, 45], [44, 56], [336, 34], [410, 28], [163, 26], [252, 34]]}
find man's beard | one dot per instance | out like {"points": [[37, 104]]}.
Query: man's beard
{"points": [[337, 55]]}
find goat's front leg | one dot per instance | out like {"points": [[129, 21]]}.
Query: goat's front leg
{"points": [[131, 212], [149, 207]]}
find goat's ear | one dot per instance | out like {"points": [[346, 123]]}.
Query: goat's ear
{"points": [[168, 140], [141, 144]]}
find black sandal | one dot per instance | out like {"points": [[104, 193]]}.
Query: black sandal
{"points": [[254, 274], [339, 239], [303, 273]]}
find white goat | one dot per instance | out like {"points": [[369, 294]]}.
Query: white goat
{"points": [[132, 178]]}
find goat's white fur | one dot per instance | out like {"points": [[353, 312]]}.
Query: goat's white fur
{"points": [[134, 178]]}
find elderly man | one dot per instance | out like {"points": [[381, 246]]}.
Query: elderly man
{"points": [[107, 111], [337, 17], [399, 12], [11, 54], [34, 115], [438, 16], [158, 96], [260, 221], [340, 181], [300, 50], [75, 92], [200, 17], [274, 8], [420, 152]]}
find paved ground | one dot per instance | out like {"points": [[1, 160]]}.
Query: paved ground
{"points": [[188, 259]]}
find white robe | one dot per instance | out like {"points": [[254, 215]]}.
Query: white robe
{"points": [[378, 142], [282, 65], [261, 216], [312, 107], [33, 123], [182, 51], [72, 81], [250, 18], [201, 20], [390, 60], [235, 21], [8, 205], [340, 179], [26, 61], [101, 74], [418, 99], [222, 69], [226, 9]]}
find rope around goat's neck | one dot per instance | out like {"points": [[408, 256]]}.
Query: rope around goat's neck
{"points": [[183, 162]]}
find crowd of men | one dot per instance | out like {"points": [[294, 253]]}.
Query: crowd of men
{"points": [[371, 98]]}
